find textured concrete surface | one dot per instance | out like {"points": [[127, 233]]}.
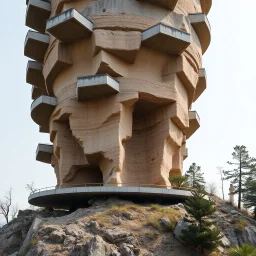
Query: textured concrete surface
{"points": [[136, 132], [64, 198]]}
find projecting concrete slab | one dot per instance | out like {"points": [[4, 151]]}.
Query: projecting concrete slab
{"points": [[44, 129], [38, 11], [34, 74], [194, 123], [44, 153], [37, 92], [69, 26], [169, 4], [201, 25], [201, 85], [206, 6], [93, 87], [36, 45], [47, 1], [166, 39], [77, 197], [185, 156], [41, 110]]}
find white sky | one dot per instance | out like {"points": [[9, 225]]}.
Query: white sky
{"points": [[227, 107]]}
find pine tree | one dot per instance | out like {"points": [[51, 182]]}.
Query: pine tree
{"points": [[195, 176], [202, 234], [179, 181], [244, 166], [249, 195]]}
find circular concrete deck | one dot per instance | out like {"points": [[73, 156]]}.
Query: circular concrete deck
{"points": [[77, 197]]}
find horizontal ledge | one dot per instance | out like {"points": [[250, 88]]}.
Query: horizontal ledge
{"points": [[36, 45], [166, 39], [201, 25], [34, 74], [44, 153], [38, 11], [194, 123], [169, 4], [91, 87], [201, 84], [47, 1], [69, 26], [62, 197], [42, 108]]}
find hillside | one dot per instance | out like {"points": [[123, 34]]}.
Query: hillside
{"points": [[115, 227]]}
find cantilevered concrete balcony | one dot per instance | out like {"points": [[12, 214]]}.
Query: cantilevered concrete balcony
{"points": [[166, 39], [201, 85], [93, 87], [169, 4], [35, 74], [38, 11], [36, 45], [41, 110], [44, 153], [37, 92], [202, 28], [194, 124], [185, 156], [206, 6], [69, 26]]}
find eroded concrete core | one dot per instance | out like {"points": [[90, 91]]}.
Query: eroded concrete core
{"points": [[115, 82]]}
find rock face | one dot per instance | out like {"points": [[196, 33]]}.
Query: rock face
{"points": [[18, 233], [92, 232]]}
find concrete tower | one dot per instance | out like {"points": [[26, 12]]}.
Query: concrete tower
{"points": [[113, 85]]}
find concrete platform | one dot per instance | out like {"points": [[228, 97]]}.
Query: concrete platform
{"points": [[206, 6], [38, 11], [41, 110], [166, 39], [69, 26], [37, 92], [201, 85], [93, 87], [169, 4], [185, 156], [44, 129], [36, 45], [44, 153], [194, 123], [201, 25], [77, 197], [34, 74]]}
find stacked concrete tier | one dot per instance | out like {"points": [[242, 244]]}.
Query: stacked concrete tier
{"points": [[113, 85]]}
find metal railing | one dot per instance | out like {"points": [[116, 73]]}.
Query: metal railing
{"points": [[109, 185]]}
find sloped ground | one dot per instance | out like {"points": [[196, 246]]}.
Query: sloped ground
{"points": [[116, 228]]}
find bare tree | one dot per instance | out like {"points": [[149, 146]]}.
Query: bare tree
{"points": [[212, 188], [221, 173], [31, 187], [15, 210], [5, 205]]}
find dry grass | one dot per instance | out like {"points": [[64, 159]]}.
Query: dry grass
{"points": [[105, 218], [157, 212], [241, 224]]}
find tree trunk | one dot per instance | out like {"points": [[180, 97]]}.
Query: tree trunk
{"points": [[240, 183]]}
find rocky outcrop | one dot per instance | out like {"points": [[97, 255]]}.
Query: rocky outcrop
{"points": [[115, 227]]}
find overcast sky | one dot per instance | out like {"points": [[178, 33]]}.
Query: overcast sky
{"points": [[227, 107]]}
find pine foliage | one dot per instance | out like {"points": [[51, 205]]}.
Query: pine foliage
{"points": [[244, 250], [249, 195], [244, 166], [202, 234], [179, 181], [195, 176]]}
